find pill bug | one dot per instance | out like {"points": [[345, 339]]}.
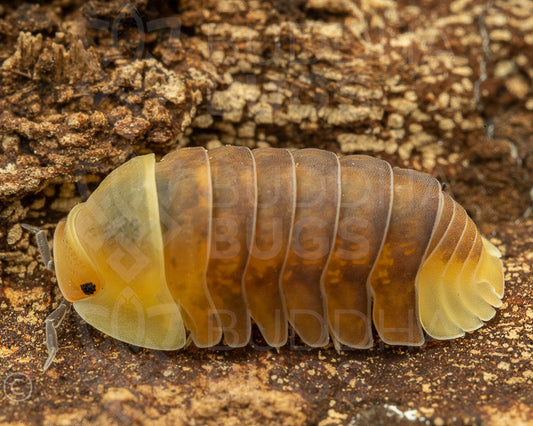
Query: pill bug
{"points": [[202, 242]]}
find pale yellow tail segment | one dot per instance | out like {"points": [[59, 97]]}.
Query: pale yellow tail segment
{"points": [[455, 298]]}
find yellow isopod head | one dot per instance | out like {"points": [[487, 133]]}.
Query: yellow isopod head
{"points": [[110, 261], [76, 275]]}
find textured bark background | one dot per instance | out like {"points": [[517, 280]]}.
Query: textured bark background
{"points": [[441, 86]]}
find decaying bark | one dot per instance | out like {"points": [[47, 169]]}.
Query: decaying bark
{"points": [[86, 87]]}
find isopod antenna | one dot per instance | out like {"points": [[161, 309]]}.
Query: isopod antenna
{"points": [[54, 320]]}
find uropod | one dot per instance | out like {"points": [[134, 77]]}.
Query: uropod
{"points": [[193, 247]]}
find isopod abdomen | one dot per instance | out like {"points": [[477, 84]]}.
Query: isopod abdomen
{"points": [[204, 241]]}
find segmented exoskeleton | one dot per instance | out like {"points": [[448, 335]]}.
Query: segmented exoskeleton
{"points": [[203, 241]]}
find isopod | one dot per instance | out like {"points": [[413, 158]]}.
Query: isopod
{"points": [[200, 243]]}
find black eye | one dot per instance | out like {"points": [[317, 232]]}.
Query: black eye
{"points": [[88, 288]]}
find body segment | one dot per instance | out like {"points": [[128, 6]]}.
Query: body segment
{"points": [[315, 224], [276, 206]]}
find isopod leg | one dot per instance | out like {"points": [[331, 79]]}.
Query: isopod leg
{"points": [[53, 321], [42, 244]]}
